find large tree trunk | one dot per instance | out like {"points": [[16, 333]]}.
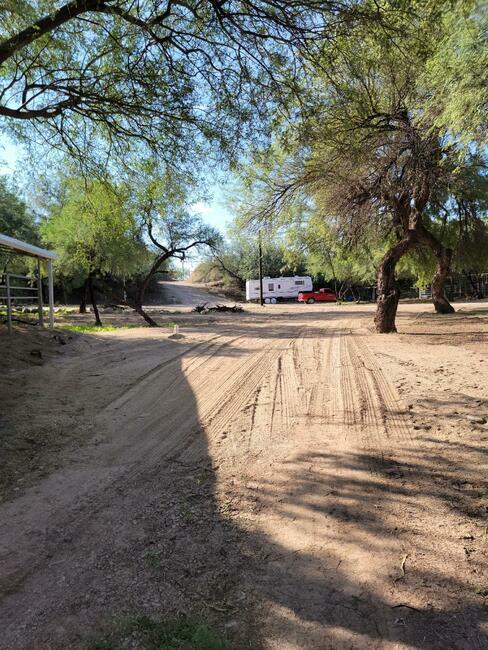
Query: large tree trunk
{"points": [[441, 303], [140, 310], [444, 256], [139, 301], [84, 293], [388, 291], [93, 301]]}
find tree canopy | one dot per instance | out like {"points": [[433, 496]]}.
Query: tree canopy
{"points": [[367, 154], [16, 220], [93, 231], [172, 75], [94, 234]]}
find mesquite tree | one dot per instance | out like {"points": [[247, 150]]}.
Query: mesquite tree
{"points": [[90, 76], [368, 153], [162, 205], [95, 235]]}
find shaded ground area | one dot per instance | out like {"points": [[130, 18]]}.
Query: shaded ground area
{"points": [[283, 476]]}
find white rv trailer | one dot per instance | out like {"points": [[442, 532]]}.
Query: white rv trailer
{"points": [[278, 288]]}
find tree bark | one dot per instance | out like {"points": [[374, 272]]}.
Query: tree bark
{"points": [[444, 257], [84, 293], [139, 301], [98, 322], [140, 310], [441, 303], [388, 291]]}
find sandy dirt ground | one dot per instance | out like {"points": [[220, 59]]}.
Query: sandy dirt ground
{"points": [[285, 475], [185, 293]]}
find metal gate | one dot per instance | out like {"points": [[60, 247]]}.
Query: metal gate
{"points": [[17, 291]]}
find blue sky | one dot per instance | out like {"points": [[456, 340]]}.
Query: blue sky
{"points": [[9, 155], [214, 212]]}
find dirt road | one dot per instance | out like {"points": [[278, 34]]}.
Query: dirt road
{"points": [[186, 293], [290, 479]]}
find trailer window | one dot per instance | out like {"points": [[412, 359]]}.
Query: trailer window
{"points": [[299, 282], [279, 286], [271, 286]]}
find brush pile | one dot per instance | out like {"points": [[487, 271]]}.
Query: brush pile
{"points": [[206, 309]]}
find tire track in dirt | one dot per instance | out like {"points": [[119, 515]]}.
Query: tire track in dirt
{"points": [[221, 401], [183, 428], [333, 445], [122, 461], [324, 530], [363, 407], [70, 372], [335, 395], [345, 400], [197, 359], [256, 380], [293, 398], [382, 424], [392, 407]]}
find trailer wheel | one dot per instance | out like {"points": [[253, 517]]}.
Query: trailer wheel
{"points": [[267, 301], [310, 301], [273, 301]]}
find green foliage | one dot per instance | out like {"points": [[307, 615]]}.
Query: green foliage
{"points": [[238, 260], [366, 143], [160, 199], [455, 76], [172, 78], [88, 328], [15, 219], [93, 232], [210, 271], [179, 634], [326, 255]]}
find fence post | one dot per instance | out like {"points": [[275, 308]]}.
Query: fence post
{"points": [[39, 293], [9, 303]]}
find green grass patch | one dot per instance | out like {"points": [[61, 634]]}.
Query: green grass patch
{"points": [[89, 327], [163, 635]]}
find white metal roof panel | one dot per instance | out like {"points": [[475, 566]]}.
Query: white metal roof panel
{"points": [[24, 247]]}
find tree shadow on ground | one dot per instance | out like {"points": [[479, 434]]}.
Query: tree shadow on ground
{"points": [[145, 522]]}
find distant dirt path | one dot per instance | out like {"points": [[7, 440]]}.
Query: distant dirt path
{"points": [[271, 467], [185, 293]]}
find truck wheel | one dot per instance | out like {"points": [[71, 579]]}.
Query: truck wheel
{"points": [[310, 301]]}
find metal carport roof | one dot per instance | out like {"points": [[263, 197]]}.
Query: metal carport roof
{"points": [[10, 243]]}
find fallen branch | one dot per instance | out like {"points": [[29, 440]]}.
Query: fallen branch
{"points": [[407, 606], [402, 568]]}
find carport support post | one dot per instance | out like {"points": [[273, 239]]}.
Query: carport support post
{"points": [[261, 299], [51, 293], [39, 292], [9, 303]]}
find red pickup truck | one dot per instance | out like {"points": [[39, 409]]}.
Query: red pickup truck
{"points": [[322, 295]]}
